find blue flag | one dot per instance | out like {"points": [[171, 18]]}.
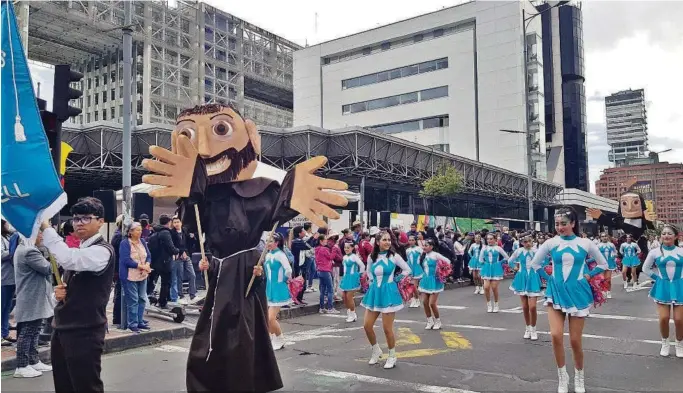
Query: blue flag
{"points": [[31, 192]]}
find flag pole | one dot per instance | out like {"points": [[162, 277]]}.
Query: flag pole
{"points": [[201, 243], [260, 260]]}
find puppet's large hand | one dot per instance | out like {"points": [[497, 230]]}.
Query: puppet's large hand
{"points": [[173, 170], [593, 213], [309, 196], [650, 215]]}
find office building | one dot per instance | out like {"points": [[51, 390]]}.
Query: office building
{"points": [[626, 125], [660, 182], [451, 79], [564, 94], [184, 53]]}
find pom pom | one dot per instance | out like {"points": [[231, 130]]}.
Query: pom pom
{"points": [[443, 270], [508, 271], [364, 283], [598, 287], [295, 285], [407, 288]]}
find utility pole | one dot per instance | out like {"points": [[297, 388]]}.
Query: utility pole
{"points": [[529, 139], [127, 135]]}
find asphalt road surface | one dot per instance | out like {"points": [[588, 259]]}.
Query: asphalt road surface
{"points": [[475, 352]]}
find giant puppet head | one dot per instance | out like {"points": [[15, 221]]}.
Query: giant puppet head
{"points": [[632, 206], [213, 144]]}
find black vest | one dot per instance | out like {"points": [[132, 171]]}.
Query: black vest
{"points": [[87, 295]]}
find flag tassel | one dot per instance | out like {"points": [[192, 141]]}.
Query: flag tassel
{"points": [[19, 134]]}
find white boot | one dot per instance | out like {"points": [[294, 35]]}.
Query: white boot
{"points": [[489, 306], [666, 348], [437, 324], [278, 342], [679, 349], [495, 307], [42, 367], [26, 372], [376, 354], [430, 323], [476, 290], [625, 284], [527, 332], [391, 360], [579, 382], [609, 294], [563, 380], [534, 333]]}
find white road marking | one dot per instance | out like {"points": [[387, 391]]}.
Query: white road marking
{"points": [[171, 349], [585, 335], [324, 332], [403, 385], [452, 307], [598, 316], [448, 325]]}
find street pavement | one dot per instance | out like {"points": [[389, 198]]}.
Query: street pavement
{"points": [[475, 352]]}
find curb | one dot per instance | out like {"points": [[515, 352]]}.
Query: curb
{"points": [[117, 344], [312, 308]]}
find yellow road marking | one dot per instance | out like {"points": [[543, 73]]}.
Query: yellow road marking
{"points": [[406, 336], [455, 340]]}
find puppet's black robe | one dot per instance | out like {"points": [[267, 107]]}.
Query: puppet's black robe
{"points": [[231, 349]]}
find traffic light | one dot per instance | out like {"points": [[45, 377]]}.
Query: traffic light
{"points": [[63, 93]]}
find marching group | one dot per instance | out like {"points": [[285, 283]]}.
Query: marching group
{"points": [[557, 267]]}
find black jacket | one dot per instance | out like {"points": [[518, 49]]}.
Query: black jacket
{"points": [[162, 248], [180, 241]]}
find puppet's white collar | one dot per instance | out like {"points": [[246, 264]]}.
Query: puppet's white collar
{"points": [[636, 222], [269, 172]]}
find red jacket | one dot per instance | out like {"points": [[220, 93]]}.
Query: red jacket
{"points": [[364, 250], [323, 259]]}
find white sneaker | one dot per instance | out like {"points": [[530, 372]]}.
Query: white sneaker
{"points": [[563, 380], [495, 307], [278, 343], [27, 372], [391, 362], [579, 382], [489, 307], [333, 311], [679, 349], [625, 284], [534, 333], [437, 324], [476, 290], [430, 323], [413, 303], [609, 294], [376, 354], [527, 332], [313, 289], [666, 348], [42, 367], [351, 316]]}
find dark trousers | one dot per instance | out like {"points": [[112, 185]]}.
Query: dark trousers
{"points": [[6, 296], [77, 359], [457, 267], [117, 302], [27, 342], [165, 291]]}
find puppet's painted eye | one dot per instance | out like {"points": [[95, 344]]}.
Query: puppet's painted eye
{"points": [[187, 131], [636, 202], [222, 128]]}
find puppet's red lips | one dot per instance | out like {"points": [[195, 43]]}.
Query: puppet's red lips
{"points": [[217, 167]]}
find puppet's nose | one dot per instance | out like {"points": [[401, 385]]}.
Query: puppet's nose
{"points": [[203, 143]]}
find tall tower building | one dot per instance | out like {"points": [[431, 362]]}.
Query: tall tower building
{"points": [[564, 95], [626, 125]]}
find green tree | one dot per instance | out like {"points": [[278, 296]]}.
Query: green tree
{"points": [[445, 182]]}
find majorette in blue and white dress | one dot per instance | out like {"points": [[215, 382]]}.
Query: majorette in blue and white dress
{"points": [[609, 252], [383, 295], [278, 270], [630, 252], [430, 283], [568, 290], [491, 259], [668, 286], [474, 263], [353, 266], [527, 282], [413, 254]]}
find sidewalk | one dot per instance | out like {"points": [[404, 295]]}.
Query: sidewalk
{"points": [[116, 339]]}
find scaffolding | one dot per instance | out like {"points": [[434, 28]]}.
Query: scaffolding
{"points": [[184, 53], [353, 154]]}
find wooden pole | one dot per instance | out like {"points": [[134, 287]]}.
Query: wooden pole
{"points": [[55, 269], [201, 243], [260, 261]]}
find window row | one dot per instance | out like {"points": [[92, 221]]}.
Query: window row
{"points": [[413, 125], [401, 99], [396, 73]]}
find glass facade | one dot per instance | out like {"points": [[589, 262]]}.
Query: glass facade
{"points": [[573, 93], [413, 125], [396, 73], [401, 99]]}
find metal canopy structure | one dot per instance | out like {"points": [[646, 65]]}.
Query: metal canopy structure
{"points": [[353, 153]]}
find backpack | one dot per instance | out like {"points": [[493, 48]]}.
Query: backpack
{"points": [[153, 244]]}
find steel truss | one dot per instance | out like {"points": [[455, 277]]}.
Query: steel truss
{"points": [[351, 153]]}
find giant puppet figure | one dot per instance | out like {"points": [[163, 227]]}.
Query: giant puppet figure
{"points": [[632, 217], [213, 164]]}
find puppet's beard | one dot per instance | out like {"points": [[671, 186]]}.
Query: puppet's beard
{"points": [[226, 166]]}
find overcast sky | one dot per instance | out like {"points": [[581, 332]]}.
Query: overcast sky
{"points": [[628, 44]]}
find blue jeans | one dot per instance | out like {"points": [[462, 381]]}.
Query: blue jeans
{"points": [[7, 295], [311, 271], [136, 296], [325, 289], [176, 280]]}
